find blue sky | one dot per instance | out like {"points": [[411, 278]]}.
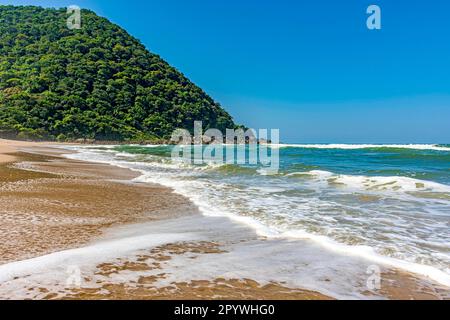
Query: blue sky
{"points": [[309, 68]]}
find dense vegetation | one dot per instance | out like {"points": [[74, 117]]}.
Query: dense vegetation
{"points": [[94, 83]]}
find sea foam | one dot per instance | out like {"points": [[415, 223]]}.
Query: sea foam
{"points": [[213, 199]]}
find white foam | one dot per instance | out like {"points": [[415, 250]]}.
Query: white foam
{"points": [[278, 260], [357, 182], [272, 232], [53, 269], [313, 173], [376, 183], [405, 184], [370, 254]]}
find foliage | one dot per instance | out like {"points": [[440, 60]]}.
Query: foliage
{"points": [[94, 83]]}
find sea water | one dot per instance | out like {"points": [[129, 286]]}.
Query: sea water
{"points": [[385, 203]]}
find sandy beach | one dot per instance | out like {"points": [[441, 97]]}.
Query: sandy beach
{"points": [[66, 203], [52, 205]]}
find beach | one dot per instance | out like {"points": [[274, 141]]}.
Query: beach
{"points": [[74, 229]]}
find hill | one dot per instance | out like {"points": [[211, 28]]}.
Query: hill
{"points": [[97, 82]]}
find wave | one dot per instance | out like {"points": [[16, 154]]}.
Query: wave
{"points": [[232, 169], [274, 232], [374, 183], [208, 207], [366, 146]]}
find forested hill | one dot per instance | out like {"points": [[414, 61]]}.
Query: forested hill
{"points": [[95, 83]]}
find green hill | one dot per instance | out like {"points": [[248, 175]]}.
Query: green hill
{"points": [[95, 83]]}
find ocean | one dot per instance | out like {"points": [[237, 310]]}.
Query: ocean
{"points": [[389, 204]]}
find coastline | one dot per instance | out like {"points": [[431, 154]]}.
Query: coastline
{"points": [[50, 204], [72, 187], [77, 194]]}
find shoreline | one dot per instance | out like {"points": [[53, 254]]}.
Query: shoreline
{"points": [[397, 285], [44, 167], [72, 202]]}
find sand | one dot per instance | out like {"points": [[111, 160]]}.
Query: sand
{"points": [[50, 204], [8, 148]]}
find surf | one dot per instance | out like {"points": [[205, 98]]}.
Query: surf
{"points": [[394, 220]]}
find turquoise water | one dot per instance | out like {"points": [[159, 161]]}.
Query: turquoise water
{"points": [[427, 164], [384, 202]]}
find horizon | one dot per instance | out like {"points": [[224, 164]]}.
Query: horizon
{"points": [[354, 86]]}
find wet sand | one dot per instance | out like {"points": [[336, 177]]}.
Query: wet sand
{"points": [[8, 148], [69, 203], [50, 204]]}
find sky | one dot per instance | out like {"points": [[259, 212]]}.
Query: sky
{"points": [[309, 68]]}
